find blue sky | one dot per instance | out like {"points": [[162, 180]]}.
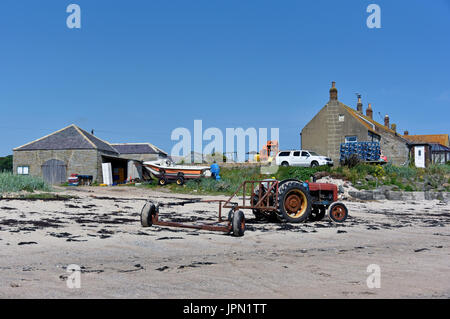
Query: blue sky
{"points": [[136, 70]]}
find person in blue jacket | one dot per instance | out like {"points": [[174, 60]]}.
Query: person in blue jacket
{"points": [[215, 170]]}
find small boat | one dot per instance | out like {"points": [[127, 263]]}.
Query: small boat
{"points": [[166, 170]]}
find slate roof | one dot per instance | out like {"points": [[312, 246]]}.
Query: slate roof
{"points": [[138, 148], [70, 137]]}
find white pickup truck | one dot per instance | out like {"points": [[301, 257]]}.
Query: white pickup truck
{"points": [[302, 158]]}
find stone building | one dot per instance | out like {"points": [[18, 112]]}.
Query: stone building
{"points": [[337, 123], [428, 149], [72, 150]]}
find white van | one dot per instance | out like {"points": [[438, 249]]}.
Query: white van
{"points": [[302, 158]]}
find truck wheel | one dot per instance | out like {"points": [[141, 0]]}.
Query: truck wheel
{"points": [[294, 202], [180, 180], [162, 181], [337, 212], [147, 212], [238, 223], [285, 164], [317, 214], [314, 164]]}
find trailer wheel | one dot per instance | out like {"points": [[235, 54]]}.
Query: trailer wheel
{"points": [[294, 202], [337, 212], [238, 223], [317, 214], [147, 212], [162, 181], [180, 180]]}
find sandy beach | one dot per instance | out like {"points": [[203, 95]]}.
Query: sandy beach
{"points": [[100, 231]]}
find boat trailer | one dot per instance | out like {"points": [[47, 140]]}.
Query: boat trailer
{"points": [[293, 204]]}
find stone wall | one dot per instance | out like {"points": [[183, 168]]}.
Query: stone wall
{"points": [[394, 147], [314, 134], [83, 162], [99, 178], [325, 132], [398, 195]]}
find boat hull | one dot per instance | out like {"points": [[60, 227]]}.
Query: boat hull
{"points": [[174, 172]]}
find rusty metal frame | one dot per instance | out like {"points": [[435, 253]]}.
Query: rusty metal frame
{"points": [[215, 226], [263, 203]]}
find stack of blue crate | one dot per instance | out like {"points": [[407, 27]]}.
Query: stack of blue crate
{"points": [[366, 151]]}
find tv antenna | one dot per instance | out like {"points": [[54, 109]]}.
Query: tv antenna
{"points": [[381, 116]]}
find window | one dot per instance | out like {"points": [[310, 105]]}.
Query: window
{"points": [[297, 153], [284, 154], [305, 154], [341, 117], [374, 137], [351, 139], [23, 170]]}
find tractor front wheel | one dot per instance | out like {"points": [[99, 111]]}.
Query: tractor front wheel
{"points": [[337, 212]]}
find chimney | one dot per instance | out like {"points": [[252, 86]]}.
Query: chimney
{"points": [[369, 112], [386, 121], [405, 133], [359, 106], [333, 92], [394, 127]]}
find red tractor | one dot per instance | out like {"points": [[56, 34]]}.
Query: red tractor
{"points": [[289, 201], [295, 201]]}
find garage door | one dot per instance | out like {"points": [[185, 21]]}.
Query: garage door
{"points": [[54, 172]]}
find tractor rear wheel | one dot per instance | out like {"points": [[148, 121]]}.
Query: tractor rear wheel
{"points": [[294, 202], [147, 212], [238, 223]]}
